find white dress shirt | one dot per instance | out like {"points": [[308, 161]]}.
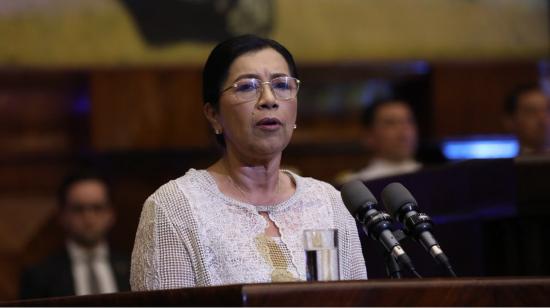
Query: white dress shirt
{"points": [[100, 265], [379, 168]]}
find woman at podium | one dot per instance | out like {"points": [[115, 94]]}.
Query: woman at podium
{"points": [[242, 219]]}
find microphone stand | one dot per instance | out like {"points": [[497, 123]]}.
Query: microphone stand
{"points": [[393, 270]]}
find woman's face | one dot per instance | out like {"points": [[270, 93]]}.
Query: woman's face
{"points": [[260, 127]]}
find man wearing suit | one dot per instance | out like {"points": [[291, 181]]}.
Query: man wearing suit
{"points": [[86, 264], [390, 134]]}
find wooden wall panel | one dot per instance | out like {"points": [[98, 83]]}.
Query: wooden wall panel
{"points": [[468, 98], [37, 112], [147, 109]]}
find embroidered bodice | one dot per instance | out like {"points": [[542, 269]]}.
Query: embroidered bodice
{"points": [[191, 234]]}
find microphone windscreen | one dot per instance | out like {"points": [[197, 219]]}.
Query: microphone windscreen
{"points": [[355, 195], [394, 196]]}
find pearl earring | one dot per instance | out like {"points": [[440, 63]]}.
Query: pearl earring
{"points": [[217, 131], [295, 126]]}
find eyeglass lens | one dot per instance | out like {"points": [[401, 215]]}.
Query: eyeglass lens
{"points": [[283, 88]]}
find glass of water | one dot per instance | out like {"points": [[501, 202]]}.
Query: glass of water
{"points": [[321, 248]]}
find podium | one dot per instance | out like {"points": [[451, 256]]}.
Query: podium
{"points": [[490, 217], [408, 292]]}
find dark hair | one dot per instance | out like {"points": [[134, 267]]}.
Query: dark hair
{"points": [[511, 102], [369, 114], [222, 56], [80, 176]]}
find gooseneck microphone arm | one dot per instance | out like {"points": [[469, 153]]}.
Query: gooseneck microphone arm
{"points": [[362, 205], [403, 207]]}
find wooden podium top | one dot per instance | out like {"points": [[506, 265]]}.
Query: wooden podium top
{"points": [[407, 292]]}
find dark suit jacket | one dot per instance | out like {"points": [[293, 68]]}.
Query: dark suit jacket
{"points": [[53, 276]]}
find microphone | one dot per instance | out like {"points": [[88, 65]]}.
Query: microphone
{"points": [[362, 205], [403, 207]]}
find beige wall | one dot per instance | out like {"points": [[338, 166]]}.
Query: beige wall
{"points": [[82, 33]]}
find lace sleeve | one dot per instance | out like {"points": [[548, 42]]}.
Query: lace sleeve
{"points": [[352, 262], [160, 259]]}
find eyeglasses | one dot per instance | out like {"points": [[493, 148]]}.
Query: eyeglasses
{"points": [[80, 208], [249, 89]]}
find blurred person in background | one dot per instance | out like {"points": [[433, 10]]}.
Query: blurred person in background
{"points": [[86, 264], [528, 117], [390, 135]]}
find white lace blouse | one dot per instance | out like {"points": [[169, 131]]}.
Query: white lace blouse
{"points": [[190, 234]]}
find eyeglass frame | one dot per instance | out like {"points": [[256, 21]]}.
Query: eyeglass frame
{"points": [[262, 83], [81, 208]]}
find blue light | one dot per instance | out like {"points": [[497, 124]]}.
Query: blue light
{"points": [[481, 148]]}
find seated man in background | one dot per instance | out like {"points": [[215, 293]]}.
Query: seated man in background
{"points": [[85, 265], [390, 134], [528, 117]]}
